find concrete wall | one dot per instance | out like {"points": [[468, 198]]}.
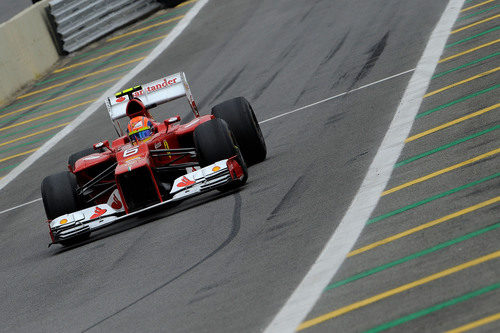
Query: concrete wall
{"points": [[27, 50]]}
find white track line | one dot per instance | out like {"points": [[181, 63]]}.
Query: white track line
{"points": [[336, 96], [19, 206], [162, 46], [276, 117], [307, 293]]}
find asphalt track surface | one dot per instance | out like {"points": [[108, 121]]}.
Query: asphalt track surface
{"points": [[9, 8], [226, 263]]}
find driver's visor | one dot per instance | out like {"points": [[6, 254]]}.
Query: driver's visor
{"points": [[141, 135]]}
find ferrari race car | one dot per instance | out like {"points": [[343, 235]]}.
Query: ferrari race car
{"points": [[168, 163]]}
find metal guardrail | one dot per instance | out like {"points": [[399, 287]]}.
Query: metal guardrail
{"points": [[79, 22]]}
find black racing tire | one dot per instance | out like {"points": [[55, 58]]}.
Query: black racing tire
{"points": [[170, 3], [214, 142], [59, 194], [76, 156], [239, 116]]}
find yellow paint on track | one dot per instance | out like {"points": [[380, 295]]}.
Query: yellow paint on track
{"points": [[33, 134], [109, 54], [47, 115], [80, 77], [468, 51], [462, 82], [145, 28], [475, 23], [475, 6], [398, 290], [451, 123], [17, 155], [185, 3], [424, 226], [60, 97], [442, 171], [476, 324]]}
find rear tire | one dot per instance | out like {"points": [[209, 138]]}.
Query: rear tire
{"points": [[213, 142], [76, 156], [59, 194], [239, 116], [170, 3]]}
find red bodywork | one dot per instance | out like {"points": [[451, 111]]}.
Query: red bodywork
{"points": [[135, 163]]}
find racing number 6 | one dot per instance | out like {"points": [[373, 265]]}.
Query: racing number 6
{"points": [[130, 152]]}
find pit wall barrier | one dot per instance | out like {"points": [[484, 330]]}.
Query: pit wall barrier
{"points": [[80, 22], [27, 50]]}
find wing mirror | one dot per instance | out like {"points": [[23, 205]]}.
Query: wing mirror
{"points": [[101, 144], [172, 120]]}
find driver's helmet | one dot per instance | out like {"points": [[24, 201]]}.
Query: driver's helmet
{"points": [[139, 129]]}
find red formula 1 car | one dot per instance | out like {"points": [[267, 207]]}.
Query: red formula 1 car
{"points": [[151, 163]]}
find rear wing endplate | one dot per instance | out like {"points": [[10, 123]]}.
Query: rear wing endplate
{"points": [[152, 94]]}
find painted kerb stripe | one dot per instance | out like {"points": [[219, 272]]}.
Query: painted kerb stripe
{"points": [[413, 256], [434, 308], [395, 291], [424, 226]]}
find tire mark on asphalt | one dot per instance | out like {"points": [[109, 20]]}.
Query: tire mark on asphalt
{"points": [[217, 91], [207, 291], [275, 230], [335, 50], [236, 225], [289, 195], [334, 119], [376, 51], [229, 84], [267, 83]]}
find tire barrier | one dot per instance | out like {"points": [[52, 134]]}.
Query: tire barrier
{"points": [[80, 22]]}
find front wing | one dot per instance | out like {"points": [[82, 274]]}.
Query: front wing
{"points": [[83, 222]]}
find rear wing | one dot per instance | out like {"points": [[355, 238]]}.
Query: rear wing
{"points": [[151, 94]]}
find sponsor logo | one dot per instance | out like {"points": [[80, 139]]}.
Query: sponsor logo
{"points": [[98, 212], [161, 85], [185, 182], [152, 88], [92, 157], [117, 204], [216, 168], [63, 221], [157, 145]]}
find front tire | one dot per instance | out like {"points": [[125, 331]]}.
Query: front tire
{"points": [[239, 116], [59, 194], [213, 142]]}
